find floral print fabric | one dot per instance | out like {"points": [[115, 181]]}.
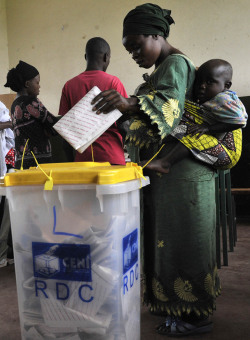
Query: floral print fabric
{"points": [[33, 122]]}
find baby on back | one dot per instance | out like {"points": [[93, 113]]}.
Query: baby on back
{"points": [[215, 111]]}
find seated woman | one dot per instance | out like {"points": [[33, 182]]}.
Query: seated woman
{"points": [[31, 120]]}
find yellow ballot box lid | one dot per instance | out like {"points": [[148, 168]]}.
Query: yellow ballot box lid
{"points": [[73, 173]]}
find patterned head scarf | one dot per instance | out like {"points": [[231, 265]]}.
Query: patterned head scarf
{"points": [[17, 76], [147, 19]]}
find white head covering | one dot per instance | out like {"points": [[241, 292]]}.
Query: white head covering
{"points": [[7, 139]]}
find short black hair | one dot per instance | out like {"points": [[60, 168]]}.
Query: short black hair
{"points": [[97, 46], [227, 70]]}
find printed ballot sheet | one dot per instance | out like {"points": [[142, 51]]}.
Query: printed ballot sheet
{"points": [[81, 126]]}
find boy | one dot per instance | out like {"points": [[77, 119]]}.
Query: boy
{"points": [[211, 130]]}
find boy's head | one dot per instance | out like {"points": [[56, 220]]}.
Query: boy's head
{"points": [[97, 53], [212, 77]]}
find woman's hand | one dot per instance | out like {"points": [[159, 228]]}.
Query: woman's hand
{"points": [[109, 100]]}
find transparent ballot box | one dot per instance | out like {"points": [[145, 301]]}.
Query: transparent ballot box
{"points": [[76, 239]]}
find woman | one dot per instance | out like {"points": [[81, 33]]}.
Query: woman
{"points": [[31, 120], [180, 269]]}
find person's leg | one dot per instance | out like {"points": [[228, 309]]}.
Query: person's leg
{"points": [[164, 163]]}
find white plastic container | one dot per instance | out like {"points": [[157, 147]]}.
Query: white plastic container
{"points": [[76, 251]]}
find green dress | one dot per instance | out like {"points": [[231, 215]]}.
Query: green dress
{"points": [[179, 254]]}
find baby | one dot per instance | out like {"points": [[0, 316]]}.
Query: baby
{"points": [[211, 125]]}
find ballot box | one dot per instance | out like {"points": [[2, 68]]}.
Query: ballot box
{"points": [[76, 240]]}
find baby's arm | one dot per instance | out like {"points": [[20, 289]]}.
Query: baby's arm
{"points": [[223, 127], [202, 129]]}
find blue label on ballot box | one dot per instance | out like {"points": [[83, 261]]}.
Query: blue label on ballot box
{"points": [[62, 261], [130, 250]]}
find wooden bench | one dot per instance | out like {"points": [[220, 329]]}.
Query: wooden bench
{"points": [[7, 99], [240, 191]]}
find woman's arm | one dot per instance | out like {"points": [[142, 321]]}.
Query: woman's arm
{"points": [[170, 83], [109, 100], [164, 104]]}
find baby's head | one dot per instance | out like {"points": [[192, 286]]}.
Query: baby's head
{"points": [[212, 77]]}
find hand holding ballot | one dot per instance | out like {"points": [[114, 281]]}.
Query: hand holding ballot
{"points": [[81, 126], [109, 100]]}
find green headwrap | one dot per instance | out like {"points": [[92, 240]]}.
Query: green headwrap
{"points": [[147, 19]]}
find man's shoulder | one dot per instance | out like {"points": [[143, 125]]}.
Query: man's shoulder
{"points": [[84, 76], [100, 74], [110, 75], [75, 78], [83, 82], [115, 79]]}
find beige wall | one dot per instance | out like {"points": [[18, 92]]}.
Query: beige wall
{"points": [[51, 35], [4, 58]]}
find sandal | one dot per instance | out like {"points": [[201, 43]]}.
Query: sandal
{"points": [[165, 327], [175, 327]]}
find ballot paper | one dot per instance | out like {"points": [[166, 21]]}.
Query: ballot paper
{"points": [[56, 314], [81, 126], [104, 279]]}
